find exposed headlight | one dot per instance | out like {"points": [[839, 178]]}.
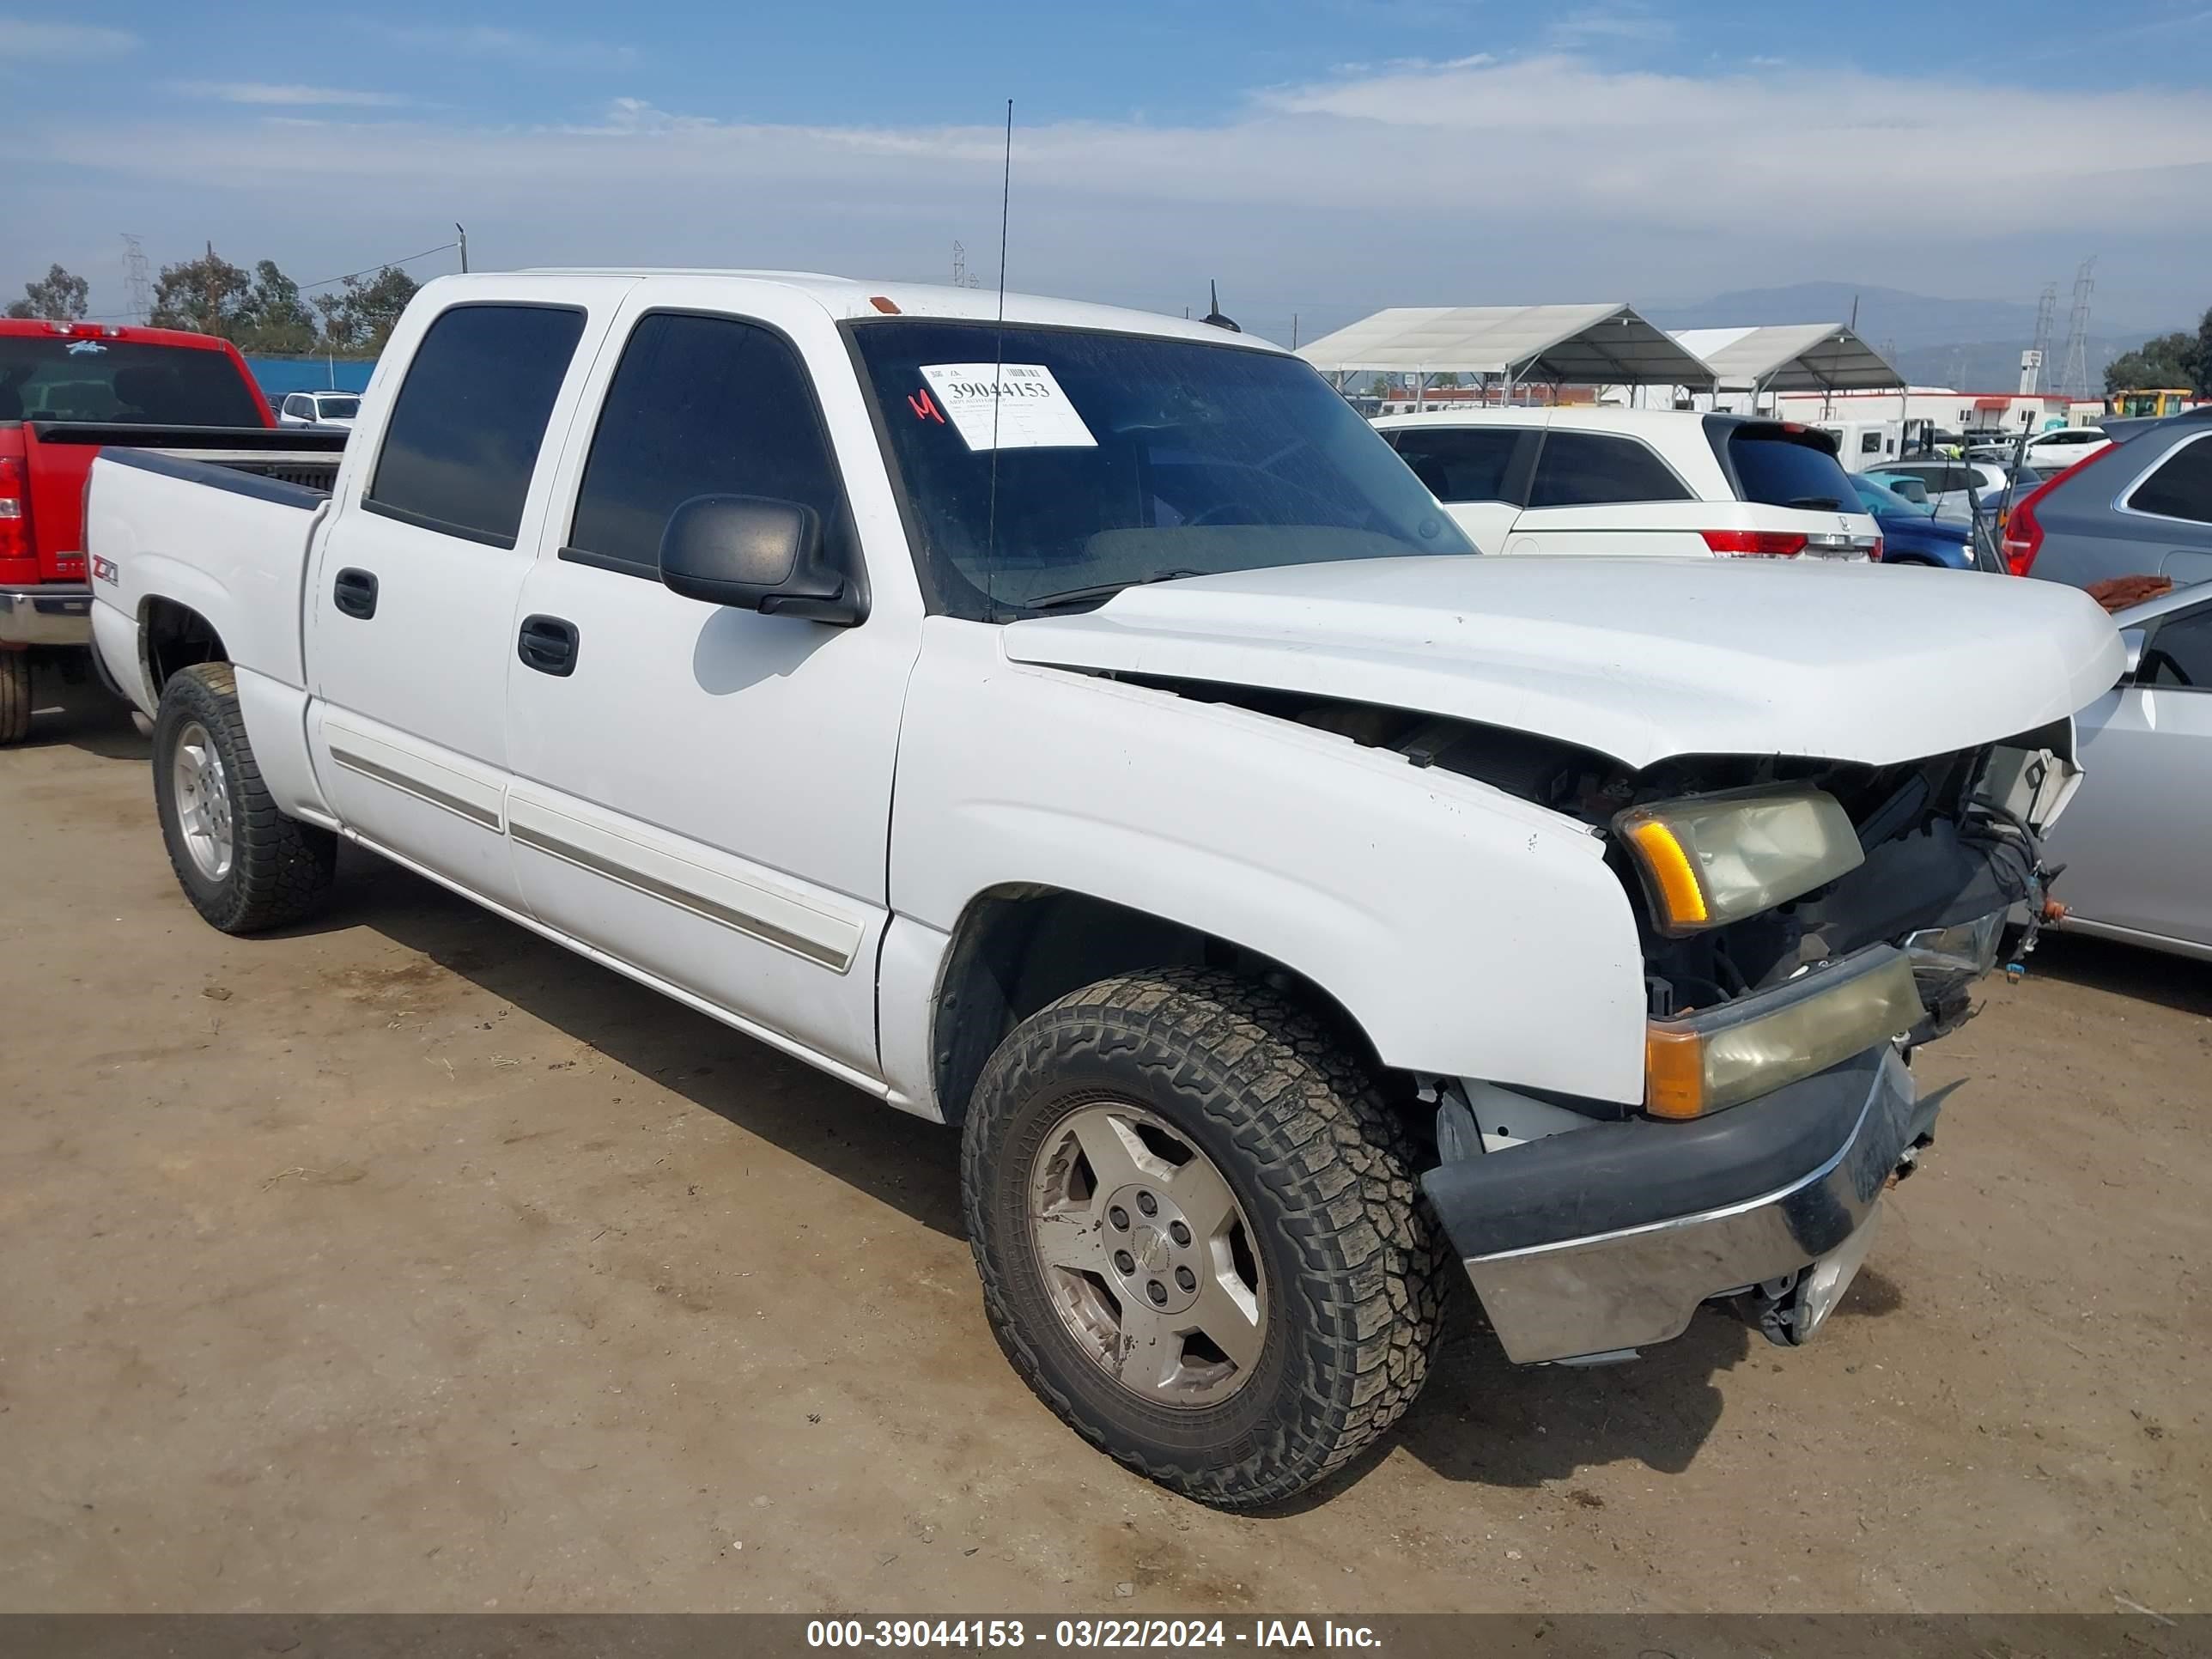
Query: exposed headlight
{"points": [[1715, 858], [1753, 1046]]}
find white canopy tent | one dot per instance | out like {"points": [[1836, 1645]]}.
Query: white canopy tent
{"points": [[1790, 357], [1567, 345]]}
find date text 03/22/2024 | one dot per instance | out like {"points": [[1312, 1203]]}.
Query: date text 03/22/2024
{"points": [[1086, 1633]]}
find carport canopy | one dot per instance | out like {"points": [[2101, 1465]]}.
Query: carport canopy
{"points": [[1571, 345], [1790, 357]]}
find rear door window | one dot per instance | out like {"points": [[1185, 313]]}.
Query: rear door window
{"points": [[1588, 469], [469, 419], [1776, 467], [700, 406], [1463, 465], [2181, 488]]}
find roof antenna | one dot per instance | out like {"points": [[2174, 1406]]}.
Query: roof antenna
{"points": [[1213, 308], [998, 370]]}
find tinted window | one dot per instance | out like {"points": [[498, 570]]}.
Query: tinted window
{"points": [[338, 409], [296, 404], [47, 377], [1869, 443], [1778, 468], [2180, 652], [2181, 488], [701, 406], [1582, 469], [1462, 465], [466, 429], [1157, 458]]}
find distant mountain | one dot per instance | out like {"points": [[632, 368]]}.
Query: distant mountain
{"points": [[1971, 345], [1885, 314]]}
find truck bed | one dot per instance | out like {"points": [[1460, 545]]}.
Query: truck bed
{"points": [[229, 543]]}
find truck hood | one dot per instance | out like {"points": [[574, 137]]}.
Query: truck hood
{"points": [[1636, 658]]}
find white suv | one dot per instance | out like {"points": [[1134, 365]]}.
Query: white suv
{"points": [[1637, 482]]}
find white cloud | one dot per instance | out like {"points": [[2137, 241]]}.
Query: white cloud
{"points": [[1547, 178], [20, 37], [512, 45], [261, 91], [1617, 25]]}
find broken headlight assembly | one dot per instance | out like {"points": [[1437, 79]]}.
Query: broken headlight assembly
{"points": [[1707, 860]]}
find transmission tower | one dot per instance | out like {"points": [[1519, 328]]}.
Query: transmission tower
{"points": [[2037, 367], [2074, 379], [134, 280], [962, 277]]}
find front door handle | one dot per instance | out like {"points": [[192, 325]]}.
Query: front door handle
{"points": [[355, 594], [547, 645]]}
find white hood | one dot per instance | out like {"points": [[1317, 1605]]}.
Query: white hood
{"points": [[1636, 658]]}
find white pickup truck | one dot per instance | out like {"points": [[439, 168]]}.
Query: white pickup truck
{"points": [[1080, 727]]}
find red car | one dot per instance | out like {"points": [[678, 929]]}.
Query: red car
{"points": [[66, 390]]}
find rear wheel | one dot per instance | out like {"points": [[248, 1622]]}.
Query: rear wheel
{"points": [[14, 697], [1199, 1233], [244, 864]]}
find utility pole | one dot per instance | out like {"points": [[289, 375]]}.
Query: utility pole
{"points": [[462, 231]]}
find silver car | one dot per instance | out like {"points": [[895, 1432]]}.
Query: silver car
{"points": [[2133, 841]]}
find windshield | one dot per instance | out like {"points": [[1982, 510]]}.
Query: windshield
{"points": [[1122, 459], [56, 378], [336, 408]]}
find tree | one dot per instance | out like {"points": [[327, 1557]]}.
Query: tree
{"points": [[62, 297], [1379, 387], [360, 316], [2170, 360], [273, 318], [2204, 383], [206, 296]]}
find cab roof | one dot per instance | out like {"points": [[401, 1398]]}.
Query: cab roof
{"points": [[846, 297], [128, 333]]}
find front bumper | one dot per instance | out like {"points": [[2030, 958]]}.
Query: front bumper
{"points": [[1609, 1238], [49, 613]]}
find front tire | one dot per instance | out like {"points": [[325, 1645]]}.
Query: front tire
{"points": [[15, 697], [1199, 1233], [244, 864]]}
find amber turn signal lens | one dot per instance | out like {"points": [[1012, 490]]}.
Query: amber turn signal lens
{"points": [[1671, 872]]}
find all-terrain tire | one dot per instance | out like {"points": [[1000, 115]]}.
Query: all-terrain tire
{"points": [[281, 870], [1324, 1174], [15, 697]]}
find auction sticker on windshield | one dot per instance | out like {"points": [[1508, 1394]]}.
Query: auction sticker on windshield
{"points": [[1032, 412]]}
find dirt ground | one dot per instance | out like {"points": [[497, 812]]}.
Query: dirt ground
{"points": [[406, 1262]]}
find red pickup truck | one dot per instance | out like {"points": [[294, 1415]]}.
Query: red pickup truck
{"points": [[67, 391]]}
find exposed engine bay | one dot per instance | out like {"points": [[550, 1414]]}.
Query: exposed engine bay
{"points": [[1945, 859]]}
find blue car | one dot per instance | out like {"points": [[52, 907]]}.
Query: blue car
{"points": [[1910, 535]]}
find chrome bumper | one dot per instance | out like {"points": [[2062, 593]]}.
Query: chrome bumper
{"points": [[1810, 1162], [50, 613]]}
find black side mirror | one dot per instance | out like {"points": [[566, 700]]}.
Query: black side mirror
{"points": [[758, 554]]}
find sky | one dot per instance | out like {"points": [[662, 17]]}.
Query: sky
{"points": [[1319, 158]]}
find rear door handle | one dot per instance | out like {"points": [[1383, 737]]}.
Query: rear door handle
{"points": [[355, 594], [547, 645]]}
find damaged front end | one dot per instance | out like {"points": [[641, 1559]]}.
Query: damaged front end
{"points": [[1804, 927]]}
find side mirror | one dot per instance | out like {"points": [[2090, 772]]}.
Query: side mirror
{"points": [[759, 555], [2132, 641]]}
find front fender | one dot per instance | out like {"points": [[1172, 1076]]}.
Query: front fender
{"points": [[1468, 932]]}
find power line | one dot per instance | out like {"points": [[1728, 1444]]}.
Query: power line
{"points": [[309, 288], [142, 308]]}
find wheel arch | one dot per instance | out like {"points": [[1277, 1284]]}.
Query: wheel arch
{"points": [[171, 636], [1019, 947]]}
